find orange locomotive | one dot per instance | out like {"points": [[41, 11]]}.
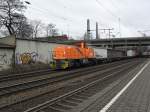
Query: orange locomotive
{"points": [[66, 56]]}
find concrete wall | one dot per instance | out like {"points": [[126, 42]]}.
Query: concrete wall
{"points": [[33, 51], [9, 40], [5, 58]]}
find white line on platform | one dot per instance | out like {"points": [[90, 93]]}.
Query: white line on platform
{"points": [[113, 100]]}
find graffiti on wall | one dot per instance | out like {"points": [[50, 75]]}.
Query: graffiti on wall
{"points": [[26, 58], [3, 59]]}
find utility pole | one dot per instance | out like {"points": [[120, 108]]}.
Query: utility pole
{"points": [[88, 30], [97, 36], [119, 28], [97, 30], [14, 53], [109, 31]]}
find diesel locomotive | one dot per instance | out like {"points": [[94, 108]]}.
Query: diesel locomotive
{"points": [[66, 56]]}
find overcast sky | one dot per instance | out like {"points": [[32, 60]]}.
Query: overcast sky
{"points": [[70, 15]]}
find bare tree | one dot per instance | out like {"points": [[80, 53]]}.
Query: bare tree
{"points": [[25, 30], [11, 14], [51, 30], [37, 27]]}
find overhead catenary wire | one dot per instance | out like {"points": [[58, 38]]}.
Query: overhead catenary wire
{"points": [[45, 11], [126, 22], [49, 14], [109, 11], [104, 7], [69, 20], [120, 20], [114, 5]]}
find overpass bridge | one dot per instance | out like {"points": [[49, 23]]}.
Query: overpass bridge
{"points": [[121, 42], [139, 44]]}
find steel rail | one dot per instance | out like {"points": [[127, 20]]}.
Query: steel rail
{"points": [[42, 72], [46, 81], [71, 93]]}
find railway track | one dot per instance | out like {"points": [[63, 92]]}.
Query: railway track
{"points": [[13, 89], [68, 101], [10, 89], [24, 75], [9, 77], [10, 80]]}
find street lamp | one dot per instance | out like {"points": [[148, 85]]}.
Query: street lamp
{"points": [[27, 2]]}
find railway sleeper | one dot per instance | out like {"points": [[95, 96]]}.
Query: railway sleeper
{"points": [[68, 103], [85, 94], [65, 105], [80, 97], [61, 107], [51, 109], [74, 100]]}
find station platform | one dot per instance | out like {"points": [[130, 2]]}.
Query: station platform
{"points": [[135, 96]]}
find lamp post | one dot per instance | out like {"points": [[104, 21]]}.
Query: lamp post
{"points": [[27, 2]]}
